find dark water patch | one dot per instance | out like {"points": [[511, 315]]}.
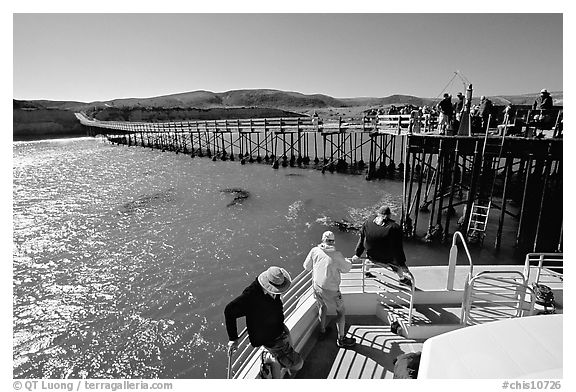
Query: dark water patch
{"points": [[340, 224], [346, 225], [294, 175], [239, 195], [148, 201]]}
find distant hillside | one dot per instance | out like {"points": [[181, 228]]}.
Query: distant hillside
{"points": [[236, 98], [293, 102], [31, 121], [150, 114], [62, 105], [55, 118]]}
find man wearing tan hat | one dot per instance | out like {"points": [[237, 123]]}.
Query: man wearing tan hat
{"points": [[326, 264], [260, 303]]}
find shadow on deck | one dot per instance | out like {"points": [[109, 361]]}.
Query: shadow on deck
{"points": [[371, 358]]}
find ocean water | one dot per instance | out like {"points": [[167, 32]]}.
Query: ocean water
{"points": [[124, 257]]}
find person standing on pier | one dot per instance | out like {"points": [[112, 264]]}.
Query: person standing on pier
{"points": [[544, 101], [446, 111], [458, 109], [260, 303], [544, 104], [485, 111], [326, 264], [381, 237]]}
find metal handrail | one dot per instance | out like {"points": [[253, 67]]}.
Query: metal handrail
{"points": [[453, 258], [409, 276], [544, 260], [497, 279]]}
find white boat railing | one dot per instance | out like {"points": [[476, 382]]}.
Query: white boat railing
{"points": [[382, 284], [454, 257], [496, 295], [549, 267]]}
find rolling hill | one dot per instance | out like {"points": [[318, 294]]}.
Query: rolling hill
{"points": [[45, 118]]}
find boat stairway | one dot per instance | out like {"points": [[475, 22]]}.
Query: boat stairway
{"points": [[414, 321]]}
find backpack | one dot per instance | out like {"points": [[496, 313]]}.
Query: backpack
{"points": [[544, 295], [406, 365], [395, 327]]}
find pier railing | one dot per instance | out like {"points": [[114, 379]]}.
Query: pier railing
{"points": [[396, 124], [416, 122]]}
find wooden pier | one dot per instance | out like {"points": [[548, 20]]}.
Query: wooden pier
{"points": [[516, 178], [519, 178]]}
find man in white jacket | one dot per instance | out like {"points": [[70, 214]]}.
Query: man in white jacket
{"points": [[326, 264]]}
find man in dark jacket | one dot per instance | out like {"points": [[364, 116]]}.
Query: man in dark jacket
{"points": [[458, 109], [260, 303], [544, 104], [485, 111], [381, 237], [446, 110]]}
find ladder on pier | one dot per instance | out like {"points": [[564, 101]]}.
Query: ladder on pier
{"points": [[478, 221], [480, 210]]}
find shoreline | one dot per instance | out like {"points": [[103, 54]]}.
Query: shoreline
{"points": [[39, 137]]}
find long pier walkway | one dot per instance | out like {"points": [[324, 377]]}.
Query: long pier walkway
{"points": [[507, 177]]}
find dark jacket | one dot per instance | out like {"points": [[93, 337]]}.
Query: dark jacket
{"points": [[485, 108], [445, 106], [459, 105], [264, 315], [543, 103], [382, 243]]}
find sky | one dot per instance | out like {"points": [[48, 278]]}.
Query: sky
{"points": [[100, 56]]}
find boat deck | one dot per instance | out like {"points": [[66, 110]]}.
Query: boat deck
{"points": [[371, 358], [371, 305]]}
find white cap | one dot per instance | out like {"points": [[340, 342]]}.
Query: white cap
{"points": [[327, 235]]}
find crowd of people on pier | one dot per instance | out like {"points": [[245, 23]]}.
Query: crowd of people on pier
{"points": [[447, 115], [260, 303]]}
